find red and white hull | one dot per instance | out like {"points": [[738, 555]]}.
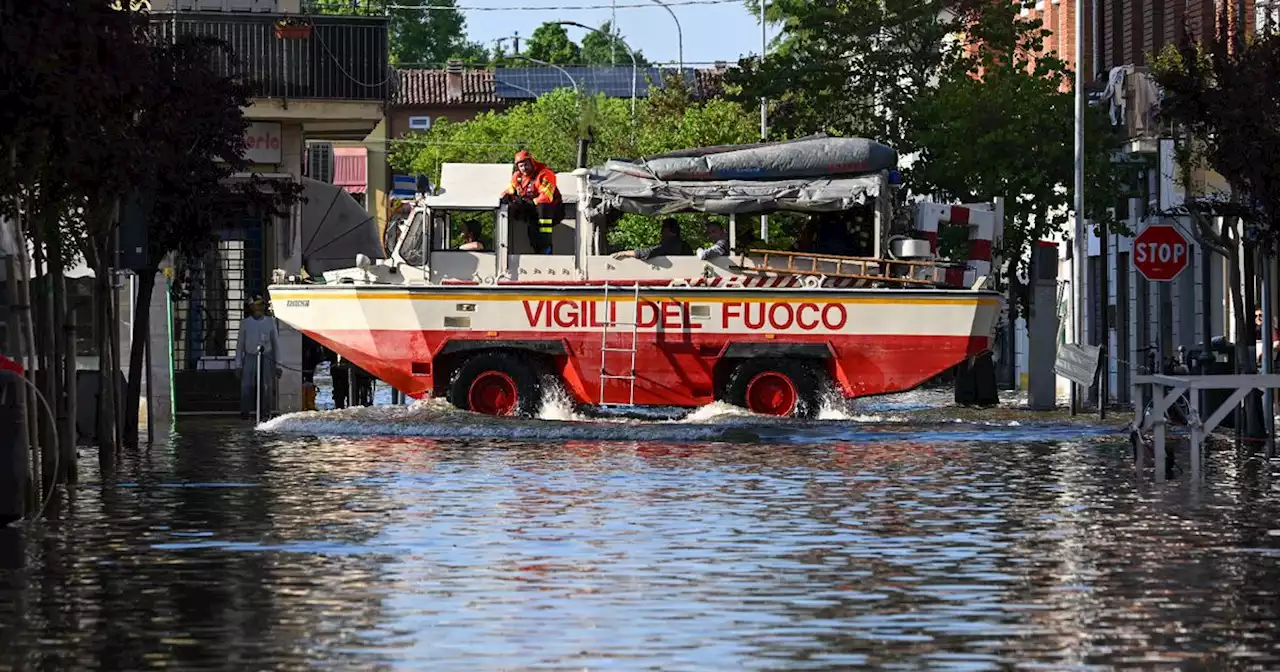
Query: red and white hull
{"points": [[870, 341]]}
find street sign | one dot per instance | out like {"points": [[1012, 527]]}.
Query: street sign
{"points": [[1160, 253], [408, 186]]}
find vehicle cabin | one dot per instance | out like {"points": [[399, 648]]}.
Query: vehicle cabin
{"points": [[468, 198]]}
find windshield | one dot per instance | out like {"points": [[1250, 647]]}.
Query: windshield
{"points": [[411, 248], [392, 235]]}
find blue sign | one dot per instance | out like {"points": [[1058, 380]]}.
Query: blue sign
{"points": [[404, 186]]}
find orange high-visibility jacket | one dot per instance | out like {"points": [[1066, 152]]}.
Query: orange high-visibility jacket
{"points": [[539, 187]]}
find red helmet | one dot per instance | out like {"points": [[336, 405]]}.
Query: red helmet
{"points": [[523, 155]]}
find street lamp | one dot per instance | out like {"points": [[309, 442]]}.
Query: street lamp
{"points": [[679, 33], [564, 72], [634, 66]]}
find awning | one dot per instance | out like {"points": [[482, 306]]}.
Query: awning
{"points": [[647, 196], [351, 168]]}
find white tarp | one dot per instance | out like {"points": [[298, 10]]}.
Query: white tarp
{"points": [[812, 157], [648, 196]]}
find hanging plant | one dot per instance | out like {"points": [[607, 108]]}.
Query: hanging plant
{"points": [[292, 29]]}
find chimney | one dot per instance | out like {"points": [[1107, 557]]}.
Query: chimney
{"points": [[453, 81]]}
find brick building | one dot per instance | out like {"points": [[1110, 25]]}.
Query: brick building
{"points": [[1122, 37]]}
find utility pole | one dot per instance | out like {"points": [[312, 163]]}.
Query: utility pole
{"points": [[764, 105], [1081, 238]]}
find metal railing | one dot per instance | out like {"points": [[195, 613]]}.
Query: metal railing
{"points": [[331, 58]]}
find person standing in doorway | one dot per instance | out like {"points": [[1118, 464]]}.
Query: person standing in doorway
{"points": [[257, 330]]}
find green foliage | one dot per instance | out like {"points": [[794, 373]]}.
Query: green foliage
{"points": [[417, 36], [550, 42], [983, 136], [957, 88], [847, 67], [606, 48], [166, 125], [1227, 100], [550, 126]]}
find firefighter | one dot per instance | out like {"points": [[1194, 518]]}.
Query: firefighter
{"points": [[534, 197]]}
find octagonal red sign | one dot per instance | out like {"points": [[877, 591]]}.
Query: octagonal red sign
{"points": [[1160, 252]]}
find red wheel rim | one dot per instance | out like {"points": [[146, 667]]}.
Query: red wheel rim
{"points": [[493, 393], [771, 393]]}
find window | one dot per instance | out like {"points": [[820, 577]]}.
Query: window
{"points": [[411, 249], [419, 123]]}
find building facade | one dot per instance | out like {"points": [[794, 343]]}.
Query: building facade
{"points": [[318, 78], [1122, 37]]}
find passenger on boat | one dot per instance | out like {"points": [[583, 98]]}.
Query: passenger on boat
{"points": [[833, 235], [671, 244], [805, 241], [720, 242], [534, 198], [470, 242]]}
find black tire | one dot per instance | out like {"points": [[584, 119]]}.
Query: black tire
{"points": [[493, 371], [805, 380]]}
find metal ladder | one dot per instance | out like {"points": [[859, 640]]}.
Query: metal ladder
{"points": [[605, 324]]}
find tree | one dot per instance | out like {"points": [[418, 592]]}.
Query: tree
{"points": [[196, 135], [606, 48], [548, 127], [980, 133], [71, 133], [1223, 98], [418, 36], [101, 110], [550, 42], [848, 67], [959, 87]]}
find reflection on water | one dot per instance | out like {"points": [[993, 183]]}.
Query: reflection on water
{"points": [[960, 546]]}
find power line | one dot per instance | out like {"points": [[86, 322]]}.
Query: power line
{"points": [[545, 8]]}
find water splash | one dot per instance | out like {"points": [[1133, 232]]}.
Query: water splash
{"points": [[557, 405]]}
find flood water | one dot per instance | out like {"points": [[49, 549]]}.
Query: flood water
{"points": [[893, 536]]}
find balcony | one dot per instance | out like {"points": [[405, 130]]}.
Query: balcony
{"points": [[338, 57], [1132, 99]]}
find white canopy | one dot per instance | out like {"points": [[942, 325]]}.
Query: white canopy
{"points": [[479, 186]]}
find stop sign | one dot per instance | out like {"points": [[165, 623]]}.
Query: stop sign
{"points": [[1160, 252]]}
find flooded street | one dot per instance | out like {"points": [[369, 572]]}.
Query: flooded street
{"points": [[894, 537]]}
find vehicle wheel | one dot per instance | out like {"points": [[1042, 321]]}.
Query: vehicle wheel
{"points": [[496, 383], [778, 387]]}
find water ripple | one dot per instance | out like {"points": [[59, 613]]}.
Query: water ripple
{"points": [[825, 546]]}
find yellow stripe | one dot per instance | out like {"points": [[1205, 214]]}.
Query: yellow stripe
{"points": [[415, 296]]}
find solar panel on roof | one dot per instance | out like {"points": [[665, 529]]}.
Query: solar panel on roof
{"points": [[614, 82]]}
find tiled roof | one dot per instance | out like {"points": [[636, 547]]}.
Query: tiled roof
{"points": [[422, 87], [428, 87]]}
